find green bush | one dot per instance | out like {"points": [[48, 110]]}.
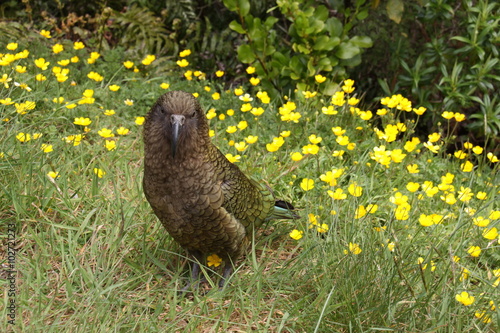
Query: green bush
{"points": [[444, 54], [288, 49]]}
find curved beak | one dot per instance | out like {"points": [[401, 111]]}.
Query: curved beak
{"points": [[177, 122]]}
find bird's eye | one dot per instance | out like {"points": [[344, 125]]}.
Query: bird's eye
{"points": [[193, 114], [160, 109]]}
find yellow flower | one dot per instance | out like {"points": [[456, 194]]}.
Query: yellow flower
{"points": [[360, 212], [214, 260], [434, 137], [308, 94], [264, 97], [355, 190], [233, 159], [219, 73], [492, 158], [420, 111], [449, 198], [57, 48], [352, 101], [296, 156], [448, 115], [251, 139], [330, 110], [231, 129], [307, 184], [464, 298], [215, 96], [477, 150], [74, 139], [128, 102], [481, 221], [402, 212], [40, 77], [164, 85], [114, 87], [315, 139], [322, 228], [354, 248], [82, 121], [491, 233], [109, 112], [122, 131], [460, 154], [296, 234], [245, 97], [148, 59], [254, 81], [110, 144], [459, 117], [23, 137], [246, 107], [78, 45], [105, 133], [99, 172], [481, 195], [5, 79], [338, 131], [95, 76], [53, 174], [320, 78], [184, 53], [310, 149], [494, 215], [348, 86], [428, 220], [257, 111], [11, 46], [46, 148], [276, 144], [338, 194], [474, 251], [412, 168], [128, 64], [182, 63], [139, 120], [431, 147], [250, 70], [240, 146], [42, 64], [467, 166], [45, 34], [238, 91]]}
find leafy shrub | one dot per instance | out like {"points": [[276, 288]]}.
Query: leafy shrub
{"points": [[289, 48], [445, 55]]}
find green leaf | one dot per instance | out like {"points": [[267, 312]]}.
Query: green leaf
{"points": [[246, 54], [230, 4], [325, 43], [362, 41], [347, 51], [237, 27], [270, 21], [395, 9], [244, 6], [334, 27]]}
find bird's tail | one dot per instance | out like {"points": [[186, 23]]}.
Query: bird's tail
{"points": [[284, 210]]}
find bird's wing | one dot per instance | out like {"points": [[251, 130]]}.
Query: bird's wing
{"points": [[250, 202]]}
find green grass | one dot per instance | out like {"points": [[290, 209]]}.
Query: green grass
{"points": [[91, 255]]}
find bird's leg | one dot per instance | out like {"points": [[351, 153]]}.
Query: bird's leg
{"points": [[228, 269], [195, 272]]}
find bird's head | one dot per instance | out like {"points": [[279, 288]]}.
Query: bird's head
{"points": [[176, 123]]}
